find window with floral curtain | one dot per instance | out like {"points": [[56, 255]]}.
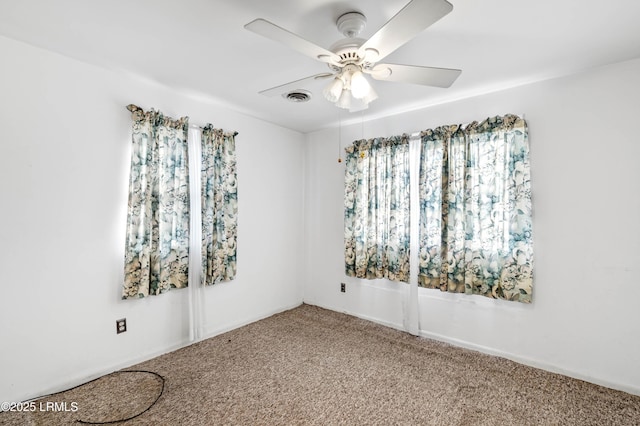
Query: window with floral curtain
{"points": [[377, 209], [475, 209], [157, 235], [219, 205]]}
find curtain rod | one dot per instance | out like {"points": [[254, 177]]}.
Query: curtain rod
{"points": [[133, 108], [463, 125]]}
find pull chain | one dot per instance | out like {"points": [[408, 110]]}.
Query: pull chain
{"points": [[339, 136]]}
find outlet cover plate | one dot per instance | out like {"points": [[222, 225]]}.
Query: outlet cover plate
{"points": [[121, 325]]}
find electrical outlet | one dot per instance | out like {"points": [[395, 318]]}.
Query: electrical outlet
{"points": [[343, 287], [121, 325]]}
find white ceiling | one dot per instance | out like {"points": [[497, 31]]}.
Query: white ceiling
{"points": [[200, 47]]}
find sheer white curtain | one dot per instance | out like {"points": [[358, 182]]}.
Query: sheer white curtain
{"points": [[195, 242]]}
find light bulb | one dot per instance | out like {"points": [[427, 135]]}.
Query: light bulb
{"points": [[359, 85], [333, 90], [345, 99]]}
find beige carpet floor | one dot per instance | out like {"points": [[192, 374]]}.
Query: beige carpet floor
{"points": [[310, 366]]}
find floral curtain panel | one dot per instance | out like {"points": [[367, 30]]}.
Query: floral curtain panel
{"points": [[219, 205], [377, 209], [475, 209], [157, 239]]}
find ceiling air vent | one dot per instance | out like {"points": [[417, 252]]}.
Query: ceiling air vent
{"points": [[298, 96]]}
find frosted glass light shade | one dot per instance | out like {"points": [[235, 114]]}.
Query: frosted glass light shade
{"points": [[360, 87], [358, 105], [333, 91], [350, 89], [345, 99], [371, 96]]}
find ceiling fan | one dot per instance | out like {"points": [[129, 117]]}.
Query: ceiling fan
{"points": [[351, 58]]}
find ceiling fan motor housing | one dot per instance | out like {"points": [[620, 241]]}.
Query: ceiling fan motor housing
{"points": [[347, 50]]}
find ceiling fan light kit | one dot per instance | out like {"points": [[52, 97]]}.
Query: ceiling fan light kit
{"points": [[351, 58], [350, 89]]}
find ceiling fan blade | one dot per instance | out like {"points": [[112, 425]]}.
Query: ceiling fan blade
{"points": [[412, 19], [287, 87], [427, 76], [294, 41]]}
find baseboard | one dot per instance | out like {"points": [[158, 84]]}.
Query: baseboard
{"points": [[238, 324], [389, 324], [79, 380], [634, 390], [89, 376], [95, 374]]}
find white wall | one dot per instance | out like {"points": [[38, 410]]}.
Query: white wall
{"points": [[64, 164], [64, 158], [584, 320]]}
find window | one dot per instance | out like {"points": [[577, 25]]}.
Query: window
{"points": [[161, 204], [377, 209], [474, 191]]}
